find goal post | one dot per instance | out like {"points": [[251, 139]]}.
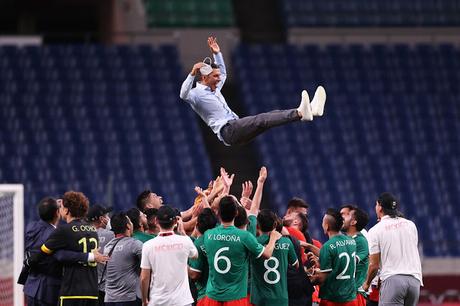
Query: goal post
{"points": [[11, 243]]}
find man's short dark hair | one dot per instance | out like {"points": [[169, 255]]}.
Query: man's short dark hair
{"points": [[348, 206], [207, 219], [77, 203], [134, 214], [119, 223], [241, 218], [150, 213], [297, 202], [267, 220], [335, 219], [47, 209], [361, 217], [227, 209], [142, 199]]}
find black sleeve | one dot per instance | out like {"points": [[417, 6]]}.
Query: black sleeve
{"points": [[57, 240], [65, 256]]}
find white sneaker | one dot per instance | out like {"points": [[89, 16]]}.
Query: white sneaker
{"points": [[305, 107], [319, 99]]}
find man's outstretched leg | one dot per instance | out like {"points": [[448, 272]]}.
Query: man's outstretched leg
{"points": [[243, 130]]}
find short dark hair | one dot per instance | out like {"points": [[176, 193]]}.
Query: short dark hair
{"points": [[142, 199], [361, 217], [335, 221], [134, 214], [267, 220], [207, 219], [150, 213], [47, 208], [241, 218], [227, 209], [348, 206], [119, 223], [297, 202], [77, 203]]}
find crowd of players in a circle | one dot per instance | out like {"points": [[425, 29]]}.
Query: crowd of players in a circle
{"points": [[221, 251]]}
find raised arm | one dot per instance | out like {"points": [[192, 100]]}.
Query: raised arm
{"points": [[268, 250], [254, 210], [218, 60], [188, 83], [227, 180]]}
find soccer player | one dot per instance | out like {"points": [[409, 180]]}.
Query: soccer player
{"points": [[353, 223], [98, 217], [164, 263], [79, 281], [269, 276], [228, 250], [336, 273], [148, 199], [393, 246], [199, 267], [139, 220], [297, 205], [151, 215], [122, 270], [208, 102]]}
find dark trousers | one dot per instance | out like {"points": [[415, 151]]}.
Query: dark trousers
{"points": [[35, 302], [243, 130], [137, 302], [101, 297]]}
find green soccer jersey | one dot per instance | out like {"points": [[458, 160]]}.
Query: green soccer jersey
{"points": [[362, 258], [337, 256], [228, 250], [143, 237], [269, 276], [200, 264]]}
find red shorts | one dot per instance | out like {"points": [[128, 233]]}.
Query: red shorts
{"points": [[329, 303], [210, 302], [360, 299], [374, 296], [200, 302]]}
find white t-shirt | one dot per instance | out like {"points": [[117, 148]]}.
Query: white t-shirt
{"points": [[167, 257], [396, 240]]}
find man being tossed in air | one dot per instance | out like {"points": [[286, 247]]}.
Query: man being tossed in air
{"points": [[208, 102]]}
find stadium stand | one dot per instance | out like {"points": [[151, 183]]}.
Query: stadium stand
{"points": [[84, 116], [189, 13], [391, 123], [359, 13]]}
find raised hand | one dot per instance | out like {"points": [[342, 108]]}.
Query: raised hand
{"points": [[204, 199], [226, 179], [213, 45], [218, 185], [262, 175], [196, 68], [246, 202], [275, 235], [246, 189], [180, 227]]}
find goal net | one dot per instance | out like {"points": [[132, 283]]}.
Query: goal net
{"points": [[11, 243]]}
